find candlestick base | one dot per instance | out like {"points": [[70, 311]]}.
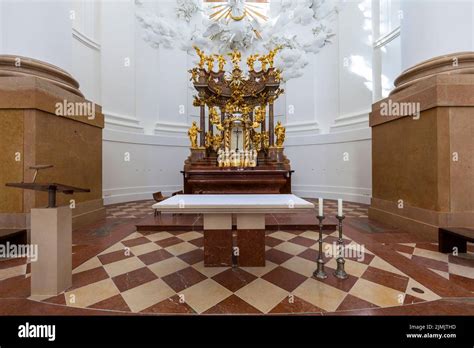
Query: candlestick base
{"points": [[320, 272], [340, 272]]}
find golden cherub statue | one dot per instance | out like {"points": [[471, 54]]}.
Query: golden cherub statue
{"points": [[214, 116], [208, 139], [216, 142], [271, 56], [264, 61], [210, 63], [221, 60], [251, 61], [280, 134], [193, 135], [260, 114], [236, 56], [202, 56], [266, 140], [257, 141], [194, 75], [246, 110], [230, 108]]}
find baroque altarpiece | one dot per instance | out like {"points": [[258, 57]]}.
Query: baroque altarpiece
{"points": [[237, 147]]}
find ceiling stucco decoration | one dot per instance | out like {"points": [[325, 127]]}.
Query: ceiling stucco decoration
{"points": [[300, 27]]}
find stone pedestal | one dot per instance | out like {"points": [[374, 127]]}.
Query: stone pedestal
{"points": [[36, 128], [276, 154], [251, 240], [422, 163], [217, 240], [51, 231]]}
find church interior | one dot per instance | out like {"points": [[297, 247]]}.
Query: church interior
{"points": [[212, 157]]}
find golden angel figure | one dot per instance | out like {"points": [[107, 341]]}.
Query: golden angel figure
{"points": [[271, 56], [260, 114], [280, 134], [216, 142], [257, 141], [202, 56], [193, 135], [251, 61], [236, 56], [221, 61], [210, 63], [264, 61], [214, 116]]}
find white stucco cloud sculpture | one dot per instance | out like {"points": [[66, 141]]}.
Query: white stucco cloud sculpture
{"points": [[301, 27]]}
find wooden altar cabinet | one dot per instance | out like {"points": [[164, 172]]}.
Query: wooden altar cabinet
{"points": [[214, 180]]}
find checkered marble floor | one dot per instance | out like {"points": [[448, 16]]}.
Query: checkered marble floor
{"points": [[130, 210], [458, 269], [141, 209], [164, 273]]}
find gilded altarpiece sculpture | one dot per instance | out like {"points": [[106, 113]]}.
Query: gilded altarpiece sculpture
{"points": [[240, 150]]}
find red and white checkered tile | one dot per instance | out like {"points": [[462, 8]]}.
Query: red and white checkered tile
{"points": [[456, 268], [164, 273], [130, 210]]}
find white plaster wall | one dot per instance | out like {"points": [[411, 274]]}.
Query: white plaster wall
{"points": [[86, 69], [153, 166], [118, 63], [334, 166], [86, 48]]}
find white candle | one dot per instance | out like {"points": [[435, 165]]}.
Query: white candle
{"points": [[320, 206], [339, 207]]}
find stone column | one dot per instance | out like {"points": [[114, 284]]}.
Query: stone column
{"points": [[433, 28], [271, 125], [210, 125], [263, 128], [202, 125], [37, 29]]}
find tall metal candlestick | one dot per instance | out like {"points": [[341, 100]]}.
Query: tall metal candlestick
{"points": [[340, 272], [320, 273]]}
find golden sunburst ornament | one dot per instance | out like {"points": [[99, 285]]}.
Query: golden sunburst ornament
{"points": [[225, 11]]}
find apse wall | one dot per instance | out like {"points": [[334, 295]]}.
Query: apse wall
{"points": [[147, 101]]}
